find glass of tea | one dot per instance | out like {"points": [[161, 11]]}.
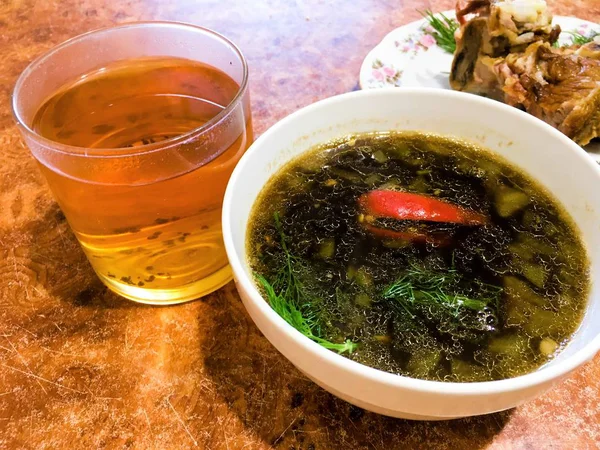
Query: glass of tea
{"points": [[137, 129]]}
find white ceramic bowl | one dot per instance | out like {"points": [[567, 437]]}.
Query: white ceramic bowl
{"points": [[554, 160]]}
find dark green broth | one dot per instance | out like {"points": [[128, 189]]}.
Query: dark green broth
{"points": [[498, 301]]}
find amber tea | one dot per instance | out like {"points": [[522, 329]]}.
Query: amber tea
{"points": [[156, 236]]}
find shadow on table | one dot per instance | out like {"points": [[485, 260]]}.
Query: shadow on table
{"points": [[275, 401]]}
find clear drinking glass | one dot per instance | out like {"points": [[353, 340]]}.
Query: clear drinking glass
{"points": [[147, 216]]}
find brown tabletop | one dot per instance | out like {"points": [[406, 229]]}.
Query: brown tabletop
{"points": [[82, 368]]}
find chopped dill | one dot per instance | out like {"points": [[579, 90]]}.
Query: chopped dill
{"points": [[461, 307], [288, 298], [443, 30], [438, 297]]}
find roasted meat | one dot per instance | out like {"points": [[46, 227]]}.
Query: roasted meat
{"points": [[510, 25], [505, 51]]}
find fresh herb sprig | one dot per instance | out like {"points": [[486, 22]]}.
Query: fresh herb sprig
{"points": [[436, 296], [419, 287], [288, 298], [580, 39], [300, 318], [443, 30]]}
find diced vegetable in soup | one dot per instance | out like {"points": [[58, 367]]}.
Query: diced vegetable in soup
{"points": [[420, 255]]}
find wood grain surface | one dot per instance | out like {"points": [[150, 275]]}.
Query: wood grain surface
{"points": [[82, 368]]}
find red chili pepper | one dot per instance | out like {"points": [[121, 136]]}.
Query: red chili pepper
{"points": [[405, 206]]}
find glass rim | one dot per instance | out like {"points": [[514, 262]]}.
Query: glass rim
{"points": [[105, 152]]}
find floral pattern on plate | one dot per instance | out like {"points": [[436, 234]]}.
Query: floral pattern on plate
{"points": [[385, 75]]}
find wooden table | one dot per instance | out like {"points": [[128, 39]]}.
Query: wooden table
{"points": [[82, 368]]}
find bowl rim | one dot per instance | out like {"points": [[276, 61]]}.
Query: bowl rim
{"points": [[538, 377]]}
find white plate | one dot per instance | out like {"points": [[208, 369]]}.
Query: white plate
{"points": [[408, 57]]}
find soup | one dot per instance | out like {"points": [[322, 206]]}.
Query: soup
{"points": [[419, 255]]}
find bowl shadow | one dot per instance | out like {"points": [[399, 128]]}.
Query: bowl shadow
{"points": [[277, 402]]}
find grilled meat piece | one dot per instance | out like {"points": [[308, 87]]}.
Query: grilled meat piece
{"points": [[505, 52], [510, 25], [562, 90]]}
